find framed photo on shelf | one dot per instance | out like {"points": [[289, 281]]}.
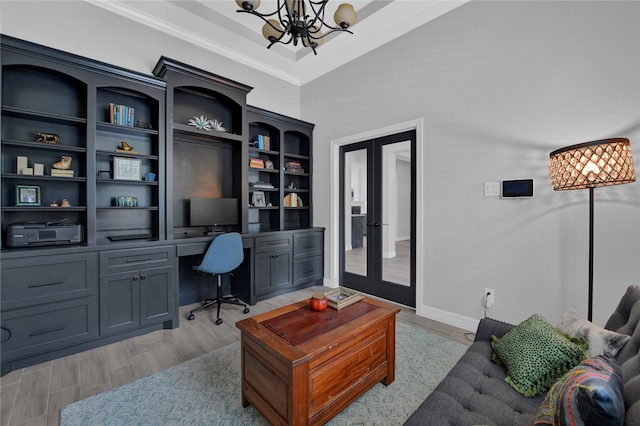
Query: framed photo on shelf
{"points": [[126, 168], [28, 195], [258, 199]]}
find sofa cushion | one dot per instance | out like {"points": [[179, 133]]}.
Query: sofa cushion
{"points": [[600, 340], [536, 355], [589, 394], [475, 393]]}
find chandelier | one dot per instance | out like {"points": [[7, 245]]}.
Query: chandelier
{"points": [[295, 23]]}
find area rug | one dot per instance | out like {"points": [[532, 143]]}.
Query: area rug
{"points": [[206, 390]]}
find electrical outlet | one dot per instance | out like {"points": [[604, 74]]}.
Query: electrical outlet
{"points": [[489, 297]]}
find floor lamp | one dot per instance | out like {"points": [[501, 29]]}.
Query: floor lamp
{"points": [[587, 166]]}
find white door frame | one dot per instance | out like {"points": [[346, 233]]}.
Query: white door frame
{"points": [[334, 236]]}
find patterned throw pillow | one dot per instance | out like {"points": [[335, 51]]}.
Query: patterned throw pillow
{"points": [[589, 394], [536, 355], [600, 339]]}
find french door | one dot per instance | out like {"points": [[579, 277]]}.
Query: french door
{"points": [[378, 217]]}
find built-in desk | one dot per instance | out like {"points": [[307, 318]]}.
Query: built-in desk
{"points": [[195, 287], [274, 263]]}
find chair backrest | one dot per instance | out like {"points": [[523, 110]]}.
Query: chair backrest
{"points": [[223, 255]]}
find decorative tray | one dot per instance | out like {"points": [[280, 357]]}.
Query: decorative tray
{"points": [[340, 297]]}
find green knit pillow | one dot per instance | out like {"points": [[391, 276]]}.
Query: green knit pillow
{"points": [[536, 355]]}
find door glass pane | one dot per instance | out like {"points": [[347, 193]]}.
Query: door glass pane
{"points": [[355, 226], [396, 213]]}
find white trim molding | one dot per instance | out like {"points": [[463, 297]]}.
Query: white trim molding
{"points": [[455, 320]]}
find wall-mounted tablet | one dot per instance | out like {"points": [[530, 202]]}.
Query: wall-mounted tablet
{"points": [[519, 188]]}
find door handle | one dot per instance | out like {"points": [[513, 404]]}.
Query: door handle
{"points": [[376, 224]]}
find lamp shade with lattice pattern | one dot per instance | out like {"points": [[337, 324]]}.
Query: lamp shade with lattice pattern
{"points": [[592, 164]]}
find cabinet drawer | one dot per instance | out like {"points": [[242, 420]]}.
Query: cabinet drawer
{"points": [[134, 259], [279, 242], [47, 327], [305, 271], [46, 279], [307, 245]]}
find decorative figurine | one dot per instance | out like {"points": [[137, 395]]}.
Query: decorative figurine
{"points": [[125, 146], [65, 203], [200, 123], [54, 203], [63, 164], [51, 138]]}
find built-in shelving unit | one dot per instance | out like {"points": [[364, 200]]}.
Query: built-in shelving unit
{"points": [[205, 163], [126, 273], [290, 144], [55, 93]]}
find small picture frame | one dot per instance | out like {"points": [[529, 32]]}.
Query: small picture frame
{"points": [[126, 168], [268, 165], [28, 195], [258, 199]]}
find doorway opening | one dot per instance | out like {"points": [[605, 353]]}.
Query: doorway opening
{"points": [[378, 217]]}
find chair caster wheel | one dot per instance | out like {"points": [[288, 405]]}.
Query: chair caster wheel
{"points": [[191, 317], [219, 321], [246, 310]]}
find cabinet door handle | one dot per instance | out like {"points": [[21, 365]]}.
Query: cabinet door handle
{"points": [[45, 284], [146, 259], [135, 278], [143, 277], [46, 330]]}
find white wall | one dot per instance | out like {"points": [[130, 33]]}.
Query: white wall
{"points": [[499, 85], [87, 30]]}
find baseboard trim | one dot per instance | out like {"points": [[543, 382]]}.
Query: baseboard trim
{"points": [[449, 318]]}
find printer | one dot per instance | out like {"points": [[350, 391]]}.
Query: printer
{"points": [[30, 234]]}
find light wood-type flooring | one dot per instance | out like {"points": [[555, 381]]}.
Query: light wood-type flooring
{"points": [[395, 269], [34, 395]]}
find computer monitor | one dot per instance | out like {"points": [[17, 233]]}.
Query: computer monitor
{"points": [[213, 212]]}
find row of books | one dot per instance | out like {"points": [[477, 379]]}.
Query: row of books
{"points": [[293, 167], [122, 115], [262, 142], [65, 173]]}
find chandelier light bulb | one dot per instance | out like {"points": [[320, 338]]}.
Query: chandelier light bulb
{"points": [[271, 33], [345, 16], [248, 5]]}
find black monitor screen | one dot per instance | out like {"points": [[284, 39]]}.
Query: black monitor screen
{"points": [[213, 211]]}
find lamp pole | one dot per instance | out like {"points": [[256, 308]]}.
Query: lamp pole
{"points": [[590, 312]]}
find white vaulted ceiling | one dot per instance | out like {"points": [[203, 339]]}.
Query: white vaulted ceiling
{"points": [[216, 26]]}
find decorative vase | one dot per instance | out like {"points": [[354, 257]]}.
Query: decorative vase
{"points": [[318, 302]]}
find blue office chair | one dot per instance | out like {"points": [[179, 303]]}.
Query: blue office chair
{"points": [[223, 256]]}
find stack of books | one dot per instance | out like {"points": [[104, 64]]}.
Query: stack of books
{"points": [[262, 142], [256, 163], [262, 185], [121, 115], [293, 167], [65, 173]]}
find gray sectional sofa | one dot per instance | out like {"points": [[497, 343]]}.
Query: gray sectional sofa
{"points": [[475, 393]]}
